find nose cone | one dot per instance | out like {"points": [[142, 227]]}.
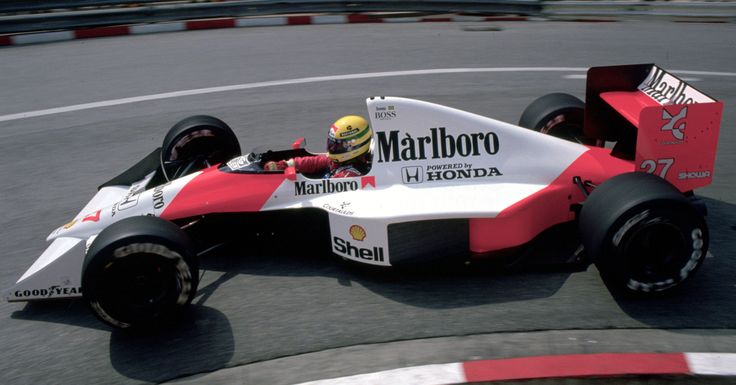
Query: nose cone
{"points": [[83, 225], [94, 216]]}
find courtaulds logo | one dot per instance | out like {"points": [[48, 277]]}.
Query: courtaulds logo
{"points": [[358, 233], [676, 124]]}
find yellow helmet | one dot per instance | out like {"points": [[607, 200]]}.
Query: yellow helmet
{"points": [[349, 138]]}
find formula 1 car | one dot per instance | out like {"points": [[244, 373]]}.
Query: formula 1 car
{"points": [[443, 182]]}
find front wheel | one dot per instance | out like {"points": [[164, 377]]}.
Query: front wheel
{"points": [[642, 233], [139, 273]]}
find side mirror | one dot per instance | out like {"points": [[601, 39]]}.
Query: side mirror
{"points": [[299, 143], [290, 173]]}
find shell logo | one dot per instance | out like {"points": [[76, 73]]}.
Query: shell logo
{"points": [[357, 232]]}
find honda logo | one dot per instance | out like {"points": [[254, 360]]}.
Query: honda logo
{"points": [[412, 174]]}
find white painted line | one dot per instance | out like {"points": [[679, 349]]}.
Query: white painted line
{"points": [[246, 86], [155, 28], [683, 78], [275, 83], [44, 37], [712, 364], [706, 73], [418, 375]]}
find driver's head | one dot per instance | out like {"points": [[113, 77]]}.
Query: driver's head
{"points": [[349, 139]]}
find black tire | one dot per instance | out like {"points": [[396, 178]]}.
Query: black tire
{"points": [[559, 115], [196, 143], [642, 233], [139, 273]]}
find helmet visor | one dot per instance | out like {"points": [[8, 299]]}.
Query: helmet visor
{"points": [[339, 146]]}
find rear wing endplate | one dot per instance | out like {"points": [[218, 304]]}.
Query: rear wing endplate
{"points": [[669, 126]]}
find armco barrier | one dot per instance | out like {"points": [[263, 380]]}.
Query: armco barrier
{"points": [[714, 11], [161, 12], [15, 6], [273, 21], [153, 14]]}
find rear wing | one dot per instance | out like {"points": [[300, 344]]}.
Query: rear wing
{"points": [[662, 123]]}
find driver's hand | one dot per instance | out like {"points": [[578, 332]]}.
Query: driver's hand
{"points": [[275, 166]]}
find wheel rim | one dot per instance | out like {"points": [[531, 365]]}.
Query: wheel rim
{"points": [[655, 253], [138, 287]]}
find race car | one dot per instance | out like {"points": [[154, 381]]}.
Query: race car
{"points": [[442, 183]]}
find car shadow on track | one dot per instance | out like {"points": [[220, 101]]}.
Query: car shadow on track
{"points": [[69, 312], [204, 339], [540, 275], [708, 300], [202, 342], [445, 284]]}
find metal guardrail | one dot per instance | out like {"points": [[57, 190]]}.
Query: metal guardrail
{"points": [[161, 12], [695, 10], [78, 14], [16, 6]]}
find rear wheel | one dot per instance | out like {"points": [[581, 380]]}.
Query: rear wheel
{"points": [[559, 115], [642, 233], [140, 272], [195, 143]]}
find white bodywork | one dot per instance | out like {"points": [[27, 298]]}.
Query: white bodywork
{"points": [[429, 162], [432, 184]]}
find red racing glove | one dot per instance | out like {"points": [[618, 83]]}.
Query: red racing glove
{"points": [[275, 166]]}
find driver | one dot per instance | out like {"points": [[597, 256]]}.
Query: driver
{"points": [[348, 152]]}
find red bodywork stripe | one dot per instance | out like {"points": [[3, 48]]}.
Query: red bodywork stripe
{"points": [[215, 191], [525, 219], [577, 365]]}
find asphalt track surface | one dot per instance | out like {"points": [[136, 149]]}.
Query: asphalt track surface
{"points": [[261, 303]]}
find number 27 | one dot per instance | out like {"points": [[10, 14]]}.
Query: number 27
{"points": [[650, 166]]}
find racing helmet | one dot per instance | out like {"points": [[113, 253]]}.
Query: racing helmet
{"points": [[349, 138]]}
